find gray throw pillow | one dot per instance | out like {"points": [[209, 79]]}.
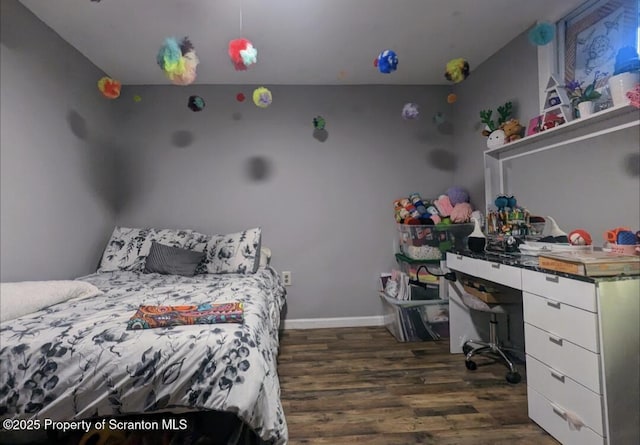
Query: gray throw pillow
{"points": [[172, 260]]}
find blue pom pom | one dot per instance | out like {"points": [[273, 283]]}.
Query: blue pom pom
{"points": [[169, 52], [542, 34], [511, 202], [387, 61]]}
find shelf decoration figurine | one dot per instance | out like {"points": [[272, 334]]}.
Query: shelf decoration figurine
{"points": [[584, 97], [557, 105], [626, 75]]}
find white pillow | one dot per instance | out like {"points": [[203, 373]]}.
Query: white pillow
{"points": [[265, 257], [26, 297]]}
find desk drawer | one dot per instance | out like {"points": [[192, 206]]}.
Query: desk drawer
{"points": [[501, 273], [576, 325], [571, 360], [565, 392], [551, 417], [572, 292], [464, 264]]}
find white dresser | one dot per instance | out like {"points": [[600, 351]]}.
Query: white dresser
{"points": [[582, 342]]}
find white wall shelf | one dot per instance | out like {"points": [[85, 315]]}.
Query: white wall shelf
{"points": [[601, 123]]}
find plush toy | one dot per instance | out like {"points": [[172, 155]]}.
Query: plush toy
{"points": [[512, 130], [498, 139], [461, 212], [580, 237], [443, 204], [457, 195]]}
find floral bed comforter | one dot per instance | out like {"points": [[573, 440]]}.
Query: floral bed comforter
{"points": [[77, 360]]}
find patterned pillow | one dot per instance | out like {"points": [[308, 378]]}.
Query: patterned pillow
{"points": [[234, 253], [128, 248]]}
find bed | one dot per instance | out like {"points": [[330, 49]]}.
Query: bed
{"points": [[77, 359]]}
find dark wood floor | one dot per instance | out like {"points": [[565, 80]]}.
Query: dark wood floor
{"points": [[360, 386]]}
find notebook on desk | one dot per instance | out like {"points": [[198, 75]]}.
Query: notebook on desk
{"points": [[593, 264]]}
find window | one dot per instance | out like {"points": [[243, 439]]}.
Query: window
{"points": [[589, 38]]}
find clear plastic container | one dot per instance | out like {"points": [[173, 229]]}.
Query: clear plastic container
{"points": [[431, 242], [411, 321]]}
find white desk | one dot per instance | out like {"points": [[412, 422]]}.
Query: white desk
{"points": [[582, 342]]}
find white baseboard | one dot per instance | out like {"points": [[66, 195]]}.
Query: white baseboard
{"points": [[342, 322]]}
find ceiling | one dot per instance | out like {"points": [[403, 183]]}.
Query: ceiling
{"points": [[299, 42]]}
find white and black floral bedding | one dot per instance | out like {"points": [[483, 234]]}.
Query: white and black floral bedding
{"points": [[76, 359]]}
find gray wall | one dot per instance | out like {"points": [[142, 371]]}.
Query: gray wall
{"points": [[594, 184], [325, 207], [57, 196], [509, 75]]}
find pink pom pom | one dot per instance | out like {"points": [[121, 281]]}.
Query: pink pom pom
{"points": [[461, 213]]}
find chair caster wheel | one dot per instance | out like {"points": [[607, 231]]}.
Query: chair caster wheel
{"points": [[466, 349], [471, 365], [513, 377]]}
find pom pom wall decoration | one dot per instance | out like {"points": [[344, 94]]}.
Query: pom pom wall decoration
{"points": [[195, 103], [109, 87], [242, 54], [410, 111], [452, 98], [262, 97], [178, 61], [387, 61], [319, 123], [137, 98], [240, 97], [438, 118], [457, 70], [542, 34]]}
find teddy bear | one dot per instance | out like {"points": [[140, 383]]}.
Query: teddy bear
{"points": [[512, 130]]}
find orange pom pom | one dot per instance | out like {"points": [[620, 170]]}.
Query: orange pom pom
{"points": [[452, 98], [109, 87]]}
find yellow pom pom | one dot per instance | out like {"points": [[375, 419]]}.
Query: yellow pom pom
{"points": [[262, 97]]}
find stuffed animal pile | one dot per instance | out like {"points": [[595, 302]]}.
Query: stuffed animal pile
{"points": [[450, 207]]}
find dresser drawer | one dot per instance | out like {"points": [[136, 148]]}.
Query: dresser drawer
{"points": [[568, 322], [552, 417], [572, 292], [565, 392], [565, 357], [501, 273]]}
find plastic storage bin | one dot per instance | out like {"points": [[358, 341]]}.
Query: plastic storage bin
{"points": [[416, 320], [431, 242]]}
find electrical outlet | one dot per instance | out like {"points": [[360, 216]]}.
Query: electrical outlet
{"points": [[286, 278]]}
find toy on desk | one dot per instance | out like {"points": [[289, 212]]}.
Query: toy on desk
{"points": [[613, 236], [477, 241], [552, 233], [580, 237], [503, 201]]}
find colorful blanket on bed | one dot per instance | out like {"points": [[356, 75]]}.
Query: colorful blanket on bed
{"points": [[147, 317]]}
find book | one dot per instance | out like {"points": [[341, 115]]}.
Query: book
{"points": [[594, 264]]}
